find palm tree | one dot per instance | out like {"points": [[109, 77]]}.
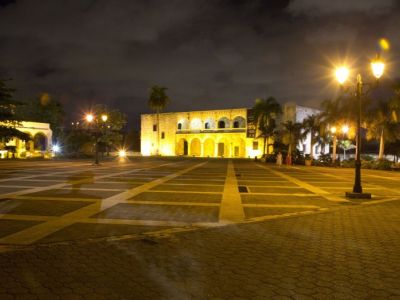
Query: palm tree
{"points": [[265, 113], [311, 125], [291, 136], [331, 116], [158, 100], [380, 125]]}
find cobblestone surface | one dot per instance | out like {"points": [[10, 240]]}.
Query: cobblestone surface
{"points": [[346, 253]]}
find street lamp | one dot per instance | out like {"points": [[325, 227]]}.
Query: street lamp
{"points": [[342, 74], [90, 118], [345, 129], [333, 131]]}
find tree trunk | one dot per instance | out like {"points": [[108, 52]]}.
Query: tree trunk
{"points": [[265, 141], [334, 149], [158, 132], [311, 145], [381, 146]]}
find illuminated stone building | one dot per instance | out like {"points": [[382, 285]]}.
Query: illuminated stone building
{"points": [[216, 133], [297, 113], [211, 133], [39, 145]]}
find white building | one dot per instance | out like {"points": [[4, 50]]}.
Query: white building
{"points": [[40, 142], [296, 113]]}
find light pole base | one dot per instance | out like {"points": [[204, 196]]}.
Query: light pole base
{"points": [[353, 195]]}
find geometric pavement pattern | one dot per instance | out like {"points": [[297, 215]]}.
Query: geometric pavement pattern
{"points": [[46, 202]]}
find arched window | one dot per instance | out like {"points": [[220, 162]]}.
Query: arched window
{"points": [[206, 125], [221, 124], [239, 122], [179, 126]]}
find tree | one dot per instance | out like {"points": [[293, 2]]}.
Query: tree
{"points": [[9, 119], [44, 109], [380, 125], [158, 100], [265, 113], [111, 134], [311, 125], [346, 145], [291, 136], [331, 117]]}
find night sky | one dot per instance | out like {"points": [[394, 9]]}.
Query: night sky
{"points": [[210, 54]]}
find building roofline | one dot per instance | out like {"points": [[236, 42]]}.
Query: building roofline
{"points": [[192, 111]]}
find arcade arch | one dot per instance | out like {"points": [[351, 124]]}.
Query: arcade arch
{"points": [[239, 122], [223, 122], [182, 147], [209, 147], [40, 141], [195, 147]]}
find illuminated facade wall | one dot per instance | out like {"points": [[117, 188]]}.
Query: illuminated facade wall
{"points": [[213, 133], [296, 113], [39, 145]]}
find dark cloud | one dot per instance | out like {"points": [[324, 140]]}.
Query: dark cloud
{"points": [[210, 54]]}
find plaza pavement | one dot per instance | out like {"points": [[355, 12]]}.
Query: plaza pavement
{"points": [[195, 228]]}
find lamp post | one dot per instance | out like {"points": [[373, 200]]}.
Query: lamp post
{"points": [[334, 145], [342, 75], [91, 119]]}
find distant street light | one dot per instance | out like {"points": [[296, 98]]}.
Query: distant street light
{"points": [[90, 118], [345, 129], [342, 74]]}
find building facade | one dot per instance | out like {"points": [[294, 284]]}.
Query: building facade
{"points": [[297, 113], [40, 143], [211, 133], [215, 133]]}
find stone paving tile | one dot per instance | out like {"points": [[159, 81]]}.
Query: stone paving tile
{"points": [[108, 185], [11, 226], [30, 183], [6, 190], [82, 231], [195, 181], [267, 183], [39, 207], [132, 180], [285, 200], [178, 197], [198, 188], [71, 193], [283, 190], [351, 253], [177, 213], [253, 212]]}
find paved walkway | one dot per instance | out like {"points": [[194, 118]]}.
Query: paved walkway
{"points": [[157, 229]]}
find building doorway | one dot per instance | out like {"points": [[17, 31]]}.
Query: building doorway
{"points": [[221, 149], [236, 151], [185, 147]]}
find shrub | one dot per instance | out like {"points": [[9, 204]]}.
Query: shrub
{"points": [[382, 164], [270, 158], [349, 163], [367, 157]]}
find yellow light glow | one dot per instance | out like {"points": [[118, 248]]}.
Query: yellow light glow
{"points": [[104, 118], [122, 153], [146, 149], [333, 129], [89, 118], [384, 44], [166, 150], [377, 67], [342, 73], [253, 153], [345, 129]]}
